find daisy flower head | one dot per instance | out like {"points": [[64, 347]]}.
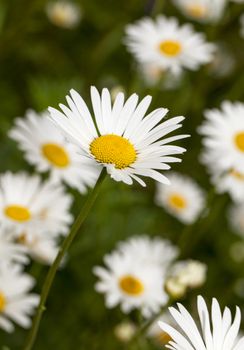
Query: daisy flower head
{"points": [[121, 139], [236, 218], [217, 331], [184, 199], [166, 44], [223, 138], [28, 205], [10, 251], [47, 149], [151, 250], [132, 283], [65, 14], [16, 303], [202, 10]]}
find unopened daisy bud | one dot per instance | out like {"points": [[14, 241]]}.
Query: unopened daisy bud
{"points": [[202, 10], [183, 199], [190, 273], [64, 13], [115, 91], [174, 288], [125, 331]]}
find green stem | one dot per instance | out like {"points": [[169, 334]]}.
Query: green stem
{"points": [[63, 249]]}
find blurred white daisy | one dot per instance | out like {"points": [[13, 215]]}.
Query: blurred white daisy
{"points": [[65, 14], [184, 198], [185, 274], [131, 283], [236, 218], [150, 250], [217, 331], [46, 148], [160, 337], [166, 44], [202, 10], [28, 205], [125, 331], [16, 304], [223, 132], [42, 248], [10, 251], [122, 139]]}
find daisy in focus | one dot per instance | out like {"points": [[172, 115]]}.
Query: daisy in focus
{"points": [[166, 44], [10, 251], [202, 10], [64, 14], [184, 199], [217, 331], [16, 303], [223, 141], [27, 205], [133, 281], [122, 139], [47, 149], [184, 275], [236, 218]]}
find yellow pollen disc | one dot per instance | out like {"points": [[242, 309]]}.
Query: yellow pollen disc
{"points": [[196, 10], [131, 285], [113, 149], [56, 155], [2, 302], [236, 174], [177, 201], [17, 213], [239, 141], [170, 47]]}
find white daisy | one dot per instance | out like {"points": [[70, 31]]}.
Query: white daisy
{"points": [[184, 198], [46, 148], [151, 250], [217, 331], [185, 274], [122, 139], [16, 304], [166, 44], [236, 218], [64, 14], [10, 250], [27, 205], [202, 10], [131, 283], [223, 132]]}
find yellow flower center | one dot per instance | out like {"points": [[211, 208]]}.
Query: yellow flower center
{"points": [[2, 302], [113, 149], [56, 155], [239, 141], [18, 213], [170, 47], [131, 285], [177, 201], [196, 10], [163, 338]]}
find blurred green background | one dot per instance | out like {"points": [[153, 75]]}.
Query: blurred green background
{"points": [[39, 63]]}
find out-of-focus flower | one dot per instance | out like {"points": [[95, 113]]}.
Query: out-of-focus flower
{"points": [[27, 205], [167, 45], [115, 91], [46, 148], [134, 280], [236, 218], [184, 198], [64, 14], [125, 331], [202, 10], [223, 132], [223, 61], [237, 251], [242, 26], [128, 144], [184, 275], [217, 330], [16, 304], [151, 250], [160, 337], [10, 251]]}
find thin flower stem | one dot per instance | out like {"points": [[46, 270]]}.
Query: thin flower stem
{"points": [[63, 249]]}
